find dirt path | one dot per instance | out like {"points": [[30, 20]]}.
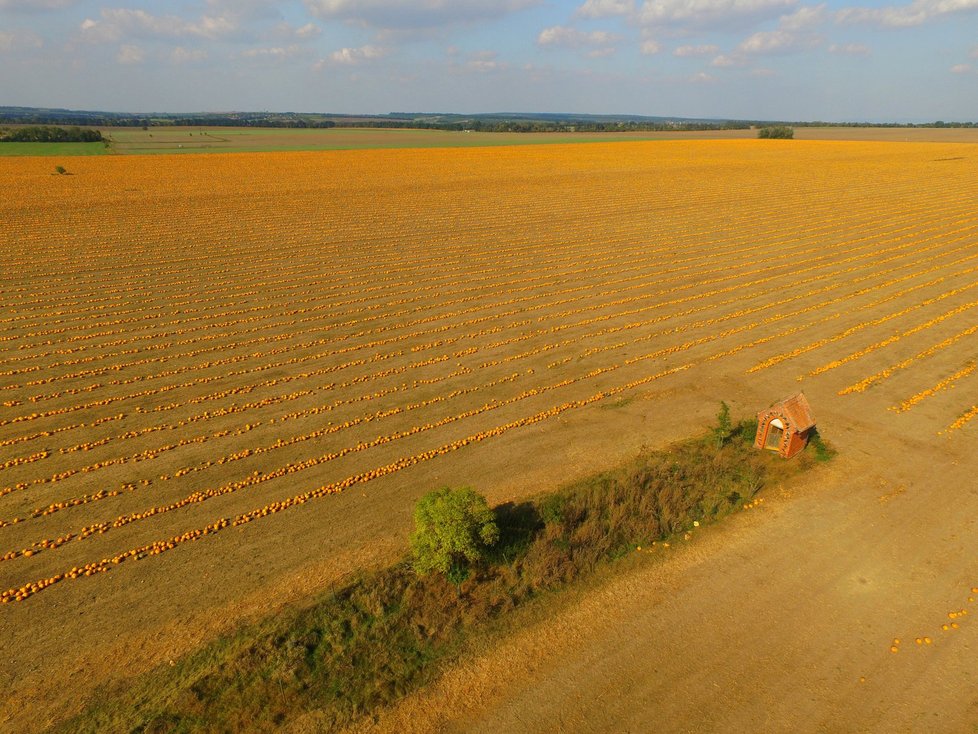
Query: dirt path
{"points": [[780, 620]]}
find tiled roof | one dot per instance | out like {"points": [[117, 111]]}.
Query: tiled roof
{"points": [[798, 412]]}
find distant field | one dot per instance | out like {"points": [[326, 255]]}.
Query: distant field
{"points": [[890, 134], [240, 140], [136, 141], [52, 149], [224, 380]]}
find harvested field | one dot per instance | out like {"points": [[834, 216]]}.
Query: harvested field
{"points": [[183, 140], [224, 379], [135, 141]]}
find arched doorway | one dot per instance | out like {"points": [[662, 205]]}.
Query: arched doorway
{"points": [[775, 433]]}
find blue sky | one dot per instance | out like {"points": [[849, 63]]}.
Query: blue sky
{"points": [[844, 60]]}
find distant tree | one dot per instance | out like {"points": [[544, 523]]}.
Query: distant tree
{"points": [[776, 131], [61, 170], [454, 528]]}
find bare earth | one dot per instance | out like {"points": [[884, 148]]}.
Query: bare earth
{"points": [[549, 310]]}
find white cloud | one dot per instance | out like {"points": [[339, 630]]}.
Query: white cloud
{"points": [[805, 17], [12, 41], [96, 32], [763, 72], [701, 77], [412, 14], [272, 52], [484, 66], [130, 54], [650, 47], [687, 15], [309, 30], [600, 53], [355, 56], [722, 62], [605, 8], [559, 35], [849, 49], [181, 55], [766, 42], [961, 69], [118, 23], [974, 53], [284, 32], [709, 13], [686, 51], [778, 42], [916, 13], [485, 62]]}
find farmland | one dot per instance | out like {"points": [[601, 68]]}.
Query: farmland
{"points": [[224, 379], [184, 140], [187, 140], [52, 149], [225, 139]]}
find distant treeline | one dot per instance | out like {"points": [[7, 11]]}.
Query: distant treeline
{"points": [[31, 116], [938, 123], [546, 126], [209, 121], [489, 122], [48, 134]]}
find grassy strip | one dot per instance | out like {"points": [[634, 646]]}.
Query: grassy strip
{"points": [[388, 632], [52, 149]]}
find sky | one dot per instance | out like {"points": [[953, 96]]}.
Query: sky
{"points": [[838, 60]]}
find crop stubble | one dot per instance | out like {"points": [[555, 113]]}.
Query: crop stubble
{"points": [[192, 344]]}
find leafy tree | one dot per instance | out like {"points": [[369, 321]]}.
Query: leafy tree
{"points": [[454, 528], [61, 170]]}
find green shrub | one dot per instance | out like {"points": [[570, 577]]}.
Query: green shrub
{"points": [[723, 428], [823, 452], [782, 132]]}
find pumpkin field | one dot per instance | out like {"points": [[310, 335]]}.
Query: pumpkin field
{"points": [[225, 379]]}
